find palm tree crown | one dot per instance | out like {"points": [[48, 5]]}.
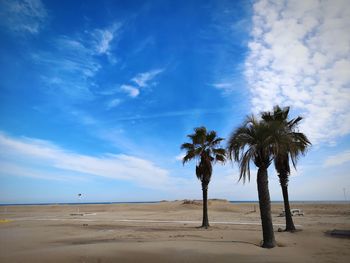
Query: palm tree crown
{"points": [[253, 141], [205, 148], [292, 143]]}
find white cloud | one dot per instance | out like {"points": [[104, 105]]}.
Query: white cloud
{"points": [[226, 87], [113, 103], [143, 79], [106, 37], [103, 39], [338, 159], [299, 56], [23, 16], [222, 85], [131, 90], [32, 157]]}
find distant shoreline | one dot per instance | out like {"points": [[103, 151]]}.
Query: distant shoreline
{"points": [[156, 202]]}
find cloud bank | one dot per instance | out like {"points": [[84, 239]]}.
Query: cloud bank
{"points": [[42, 159], [300, 56]]}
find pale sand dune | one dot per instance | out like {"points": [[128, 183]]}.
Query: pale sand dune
{"points": [[51, 234]]}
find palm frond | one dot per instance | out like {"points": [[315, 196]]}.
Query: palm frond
{"points": [[220, 151], [188, 157], [220, 158], [210, 137], [294, 122], [287, 143], [187, 146], [217, 141]]}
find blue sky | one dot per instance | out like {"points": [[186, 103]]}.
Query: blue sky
{"points": [[96, 97]]}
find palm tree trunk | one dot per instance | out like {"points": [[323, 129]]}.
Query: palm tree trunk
{"points": [[289, 220], [205, 222], [265, 209]]}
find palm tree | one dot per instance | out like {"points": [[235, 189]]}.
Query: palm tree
{"points": [[255, 141], [293, 144], [205, 148]]}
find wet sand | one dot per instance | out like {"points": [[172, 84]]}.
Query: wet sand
{"points": [[168, 232]]}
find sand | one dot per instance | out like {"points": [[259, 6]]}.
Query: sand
{"points": [[168, 232]]}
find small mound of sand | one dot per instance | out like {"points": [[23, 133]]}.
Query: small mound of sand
{"points": [[191, 202], [200, 202]]}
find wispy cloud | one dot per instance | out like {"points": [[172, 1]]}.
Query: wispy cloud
{"points": [[24, 155], [13, 169], [70, 55], [225, 87], [83, 117], [143, 79], [338, 159], [113, 103], [299, 56], [67, 69], [173, 114], [70, 63], [130, 90], [23, 16], [143, 44], [103, 39]]}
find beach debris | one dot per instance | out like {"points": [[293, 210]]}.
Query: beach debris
{"points": [[89, 214], [253, 211], [295, 212], [339, 233], [83, 214]]}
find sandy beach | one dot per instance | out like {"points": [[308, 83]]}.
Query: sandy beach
{"points": [[168, 232]]}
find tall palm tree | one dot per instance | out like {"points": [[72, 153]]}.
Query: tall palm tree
{"points": [[255, 141], [293, 144], [205, 149]]}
